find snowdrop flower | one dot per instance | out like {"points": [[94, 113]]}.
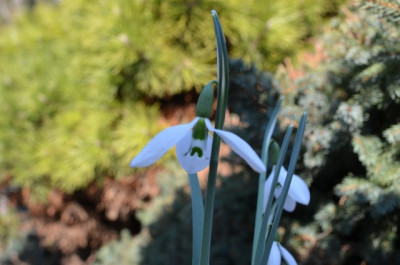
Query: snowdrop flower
{"points": [[193, 144], [277, 253], [298, 190]]}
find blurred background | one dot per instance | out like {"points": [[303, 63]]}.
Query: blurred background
{"points": [[84, 85]]}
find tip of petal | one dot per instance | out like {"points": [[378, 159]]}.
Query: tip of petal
{"points": [[133, 163], [138, 163], [275, 255], [290, 204], [240, 147], [260, 168], [299, 190], [290, 260]]}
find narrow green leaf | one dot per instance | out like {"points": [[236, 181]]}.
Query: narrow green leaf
{"points": [[264, 231], [264, 157], [222, 97], [197, 217], [269, 130], [285, 189], [223, 72]]}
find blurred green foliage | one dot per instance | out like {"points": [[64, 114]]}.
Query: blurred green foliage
{"points": [[9, 233], [352, 146], [72, 75], [126, 250], [62, 123]]}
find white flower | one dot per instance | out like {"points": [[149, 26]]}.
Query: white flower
{"points": [[298, 190], [276, 254], [193, 146]]}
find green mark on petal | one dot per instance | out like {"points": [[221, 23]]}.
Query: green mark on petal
{"points": [[199, 138], [200, 130], [196, 150]]}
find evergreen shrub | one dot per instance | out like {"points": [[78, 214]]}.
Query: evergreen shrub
{"points": [[351, 89]]}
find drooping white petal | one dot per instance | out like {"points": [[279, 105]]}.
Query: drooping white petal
{"points": [[282, 175], [240, 147], [299, 190], [290, 204], [161, 143], [287, 256], [274, 255], [193, 164]]}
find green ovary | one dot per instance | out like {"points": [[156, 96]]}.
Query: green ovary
{"points": [[200, 130]]}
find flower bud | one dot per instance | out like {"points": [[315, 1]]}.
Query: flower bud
{"points": [[206, 100], [274, 152]]}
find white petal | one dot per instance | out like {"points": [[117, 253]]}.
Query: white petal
{"points": [[290, 204], [161, 143], [240, 147], [282, 175], [192, 164], [287, 256], [299, 191], [274, 255]]}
